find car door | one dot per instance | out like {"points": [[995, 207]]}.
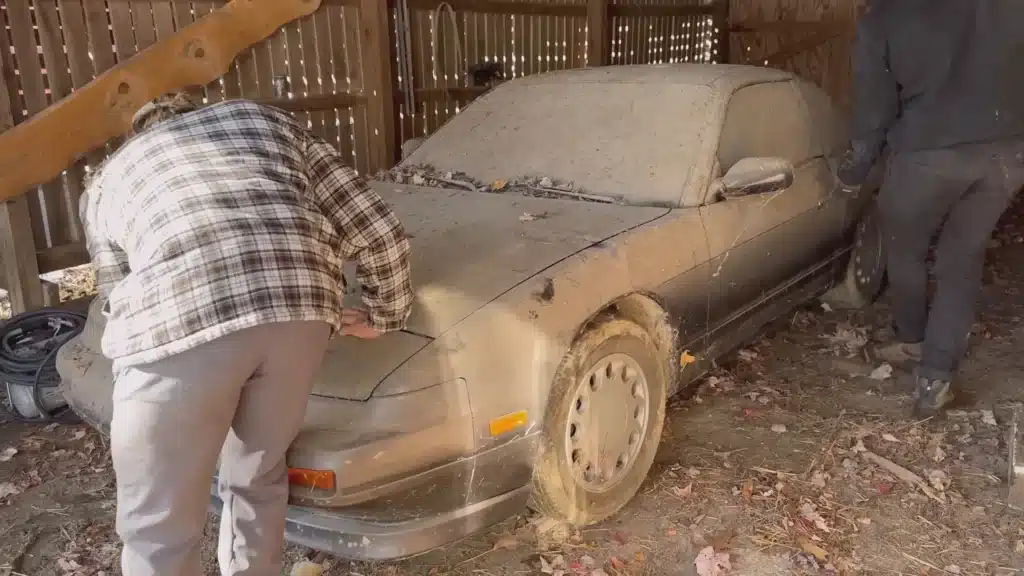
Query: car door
{"points": [[761, 242]]}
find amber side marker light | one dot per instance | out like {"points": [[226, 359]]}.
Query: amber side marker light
{"points": [[319, 479], [508, 423]]}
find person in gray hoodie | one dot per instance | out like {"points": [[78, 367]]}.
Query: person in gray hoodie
{"points": [[940, 84]]}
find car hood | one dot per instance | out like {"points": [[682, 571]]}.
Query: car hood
{"points": [[468, 248]]}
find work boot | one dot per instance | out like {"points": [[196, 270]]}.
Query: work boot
{"points": [[932, 395], [900, 354]]}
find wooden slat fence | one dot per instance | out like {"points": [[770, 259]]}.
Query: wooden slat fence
{"points": [[364, 74]]}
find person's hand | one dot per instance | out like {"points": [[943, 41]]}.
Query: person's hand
{"points": [[355, 322]]}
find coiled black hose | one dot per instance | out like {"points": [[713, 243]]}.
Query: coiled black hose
{"points": [[29, 344]]}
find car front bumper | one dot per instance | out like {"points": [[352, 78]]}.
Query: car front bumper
{"points": [[439, 506]]}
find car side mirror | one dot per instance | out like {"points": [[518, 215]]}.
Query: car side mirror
{"points": [[757, 176]]}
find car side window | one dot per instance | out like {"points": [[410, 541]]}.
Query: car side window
{"points": [[829, 128], [765, 120]]}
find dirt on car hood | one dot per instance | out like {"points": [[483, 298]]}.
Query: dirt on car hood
{"points": [[468, 248]]}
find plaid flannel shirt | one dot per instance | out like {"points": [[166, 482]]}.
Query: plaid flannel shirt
{"points": [[230, 217]]}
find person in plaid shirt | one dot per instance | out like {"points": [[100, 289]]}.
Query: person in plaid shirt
{"points": [[218, 235]]}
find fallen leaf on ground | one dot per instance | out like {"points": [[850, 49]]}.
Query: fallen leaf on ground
{"points": [[1019, 548], [988, 418], [953, 569], [8, 489], [778, 428], [883, 372], [810, 513], [818, 479], [528, 217], [710, 563], [748, 489], [8, 453], [889, 438], [683, 492], [79, 434], [938, 455], [498, 184], [617, 563], [307, 568], [747, 355], [813, 549], [938, 479]]}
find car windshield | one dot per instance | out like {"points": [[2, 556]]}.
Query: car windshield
{"points": [[632, 142]]}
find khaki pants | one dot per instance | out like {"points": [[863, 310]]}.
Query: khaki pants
{"points": [[243, 397]]}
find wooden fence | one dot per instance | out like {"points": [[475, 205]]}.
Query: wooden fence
{"points": [[364, 74]]}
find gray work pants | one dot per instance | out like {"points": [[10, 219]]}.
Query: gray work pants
{"points": [[959, 193], [243, 397]]}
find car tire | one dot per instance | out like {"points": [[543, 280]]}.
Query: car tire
{"points": [[605, 373], [865, 276]]}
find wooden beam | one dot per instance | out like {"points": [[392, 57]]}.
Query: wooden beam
{"points": [[788, 51], [599, 33], [379, 88], [660, 10], [500, 7], [316, 102], [36, 151]]}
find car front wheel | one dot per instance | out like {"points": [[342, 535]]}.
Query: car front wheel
{"points": [[864, 278], [603, 424]]}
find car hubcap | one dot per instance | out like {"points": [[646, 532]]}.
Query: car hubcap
{"points": [[866, 253], [607, 422]]}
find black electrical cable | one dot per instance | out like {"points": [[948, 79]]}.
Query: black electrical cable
{"points": [[29, 344]]}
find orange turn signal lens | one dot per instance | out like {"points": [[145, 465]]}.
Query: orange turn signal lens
{"points": [[319, 479], [508, 423]]}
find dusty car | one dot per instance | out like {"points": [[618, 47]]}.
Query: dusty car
{"points": [[585, 243]]}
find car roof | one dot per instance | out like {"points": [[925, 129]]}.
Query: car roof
{"points": [[723, 78]]}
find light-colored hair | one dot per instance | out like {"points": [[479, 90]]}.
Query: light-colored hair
{"points": [[162, 108]]}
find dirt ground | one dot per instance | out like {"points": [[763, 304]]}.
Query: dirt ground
{"points": [[792, 458]]}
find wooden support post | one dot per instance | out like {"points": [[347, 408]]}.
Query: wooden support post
{"points": [[599, 33], [723, 20], [379, 87], [18, 256], [18, 267]]}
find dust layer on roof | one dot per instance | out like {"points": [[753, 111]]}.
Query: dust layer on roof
{"points": [[536, 186]]}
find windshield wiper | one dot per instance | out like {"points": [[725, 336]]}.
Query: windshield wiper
{"points": [[572, 194]]}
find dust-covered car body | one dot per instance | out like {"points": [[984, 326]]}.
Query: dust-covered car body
{"points": [[663, 262]]}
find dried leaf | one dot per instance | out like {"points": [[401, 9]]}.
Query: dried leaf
{"points": [[809, 512], [8, 453], [617, 564], [938, 479], [79, 434], [818, 479], [8, 489], [813, 549], [938, 455], [778, 428], [498, 185], [307, 568], [710, 563], [883, 372], [748, 489], [1019, 548], [987, 417], [683, 492], [889, 438]]}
